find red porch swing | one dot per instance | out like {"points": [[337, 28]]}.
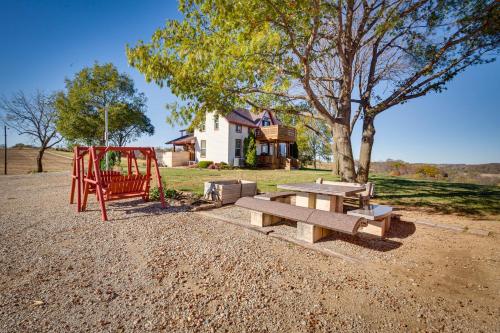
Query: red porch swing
{"points": [[111, 185]]}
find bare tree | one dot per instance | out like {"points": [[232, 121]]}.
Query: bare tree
{"points": [[34, 116]]}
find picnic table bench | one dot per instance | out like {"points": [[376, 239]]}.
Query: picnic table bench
{"points": [[265, 212]]}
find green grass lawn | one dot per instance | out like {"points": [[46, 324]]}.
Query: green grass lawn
{"points": [[435, 196]]}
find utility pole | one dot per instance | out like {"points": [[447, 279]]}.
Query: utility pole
{"points": [[5, 149]]}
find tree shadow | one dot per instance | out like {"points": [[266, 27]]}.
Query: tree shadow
{"points": [[439, 196], [397, 230], [139, 208]]}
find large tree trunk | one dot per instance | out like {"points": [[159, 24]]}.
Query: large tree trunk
{"points": [[336, 163], [365, 152], [39, 166], [342, 137]]}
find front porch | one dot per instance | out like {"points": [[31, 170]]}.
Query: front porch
{"points": [[274, 147], [183, 151]]}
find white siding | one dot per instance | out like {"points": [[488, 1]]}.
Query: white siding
{"points": [[217, 140], [232, 141]]}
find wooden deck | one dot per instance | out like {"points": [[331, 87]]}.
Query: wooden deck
{"points": [[276, 133], [280, 162]]}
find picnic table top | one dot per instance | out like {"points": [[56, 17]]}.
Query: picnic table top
{"points": [[337, 190]]}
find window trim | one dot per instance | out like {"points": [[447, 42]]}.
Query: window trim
{"points": [[203, 151], [236, 148]]}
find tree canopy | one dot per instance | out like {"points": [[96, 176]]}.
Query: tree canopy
{"points": [[343, 60], [91, 91]]}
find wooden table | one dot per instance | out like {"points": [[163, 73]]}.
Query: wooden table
{"points": [[322, 196], [319, 196]]}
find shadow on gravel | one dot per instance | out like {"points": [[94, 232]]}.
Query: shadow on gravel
{"points": [[138, 207], [398, 230]]}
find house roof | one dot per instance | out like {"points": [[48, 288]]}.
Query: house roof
{"points": [[246, 118], [182, 140], [242, 117]]}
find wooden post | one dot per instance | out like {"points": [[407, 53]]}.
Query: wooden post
{"points": [[148, 175], [158, 177], [79, 184], [73, 177], [86, 184], [129, 164], [98, 187], [135, 162]]}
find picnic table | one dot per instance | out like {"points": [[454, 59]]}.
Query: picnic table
{"points": [[322, 196], [327, 197]]}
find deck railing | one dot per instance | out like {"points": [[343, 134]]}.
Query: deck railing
{"points": [[275, 132]]}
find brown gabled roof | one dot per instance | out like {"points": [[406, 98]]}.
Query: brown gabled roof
{"points": [[246, 118], [182, 140], [241, 117]]}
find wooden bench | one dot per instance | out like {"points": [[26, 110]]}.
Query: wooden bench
{"points": [[263, 212], [378, 217]]}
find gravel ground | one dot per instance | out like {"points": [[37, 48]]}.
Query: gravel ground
{"points": [[149, 269]]}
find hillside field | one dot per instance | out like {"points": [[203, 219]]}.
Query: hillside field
{"points": [[23, 161]]}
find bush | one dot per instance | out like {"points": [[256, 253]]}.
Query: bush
{"points": [[250, 150], [113, 158], [395, 173], [225, 166], [204, 164], [428, 171], [154, 193]]}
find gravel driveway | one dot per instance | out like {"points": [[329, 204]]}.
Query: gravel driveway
{"points": [[170, 270]]}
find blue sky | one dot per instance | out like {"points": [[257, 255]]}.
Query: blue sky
{"points": [[44, 42]]}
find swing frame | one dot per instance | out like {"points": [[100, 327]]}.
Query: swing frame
{"points": [[111, 185]]}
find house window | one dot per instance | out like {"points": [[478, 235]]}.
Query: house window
{"points": [[202, 127], [237, 151], [216, 122], [238, 129], [264, 149], [266, 122], [203, 148]]}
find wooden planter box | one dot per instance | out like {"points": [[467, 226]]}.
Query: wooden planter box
{"points": [[229, 191]]}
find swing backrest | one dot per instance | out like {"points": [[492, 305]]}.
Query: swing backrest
{"points": [[107, 176], [124, 184]]}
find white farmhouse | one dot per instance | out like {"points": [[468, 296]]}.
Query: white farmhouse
{"points": [[220, 139]]}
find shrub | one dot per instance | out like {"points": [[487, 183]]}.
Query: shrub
{"points": [[395, 173], [250, 150], [428, 171], [154, 193], [225, 166], [113, 158], [204, 164]]}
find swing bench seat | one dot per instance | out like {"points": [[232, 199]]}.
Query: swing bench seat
{"points": [[126, 186]]}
